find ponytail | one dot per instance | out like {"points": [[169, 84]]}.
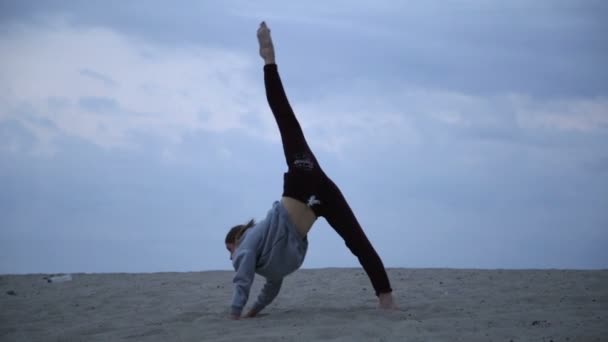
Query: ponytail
{"points": [[236, 232]]}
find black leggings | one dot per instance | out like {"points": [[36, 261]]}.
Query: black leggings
{"points": [[328, 201]]}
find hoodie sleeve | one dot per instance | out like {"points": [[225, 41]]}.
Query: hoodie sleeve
{"points": [[268, 294], [244, 264]]}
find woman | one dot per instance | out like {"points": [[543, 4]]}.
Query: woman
{"points": [[276, 246]]}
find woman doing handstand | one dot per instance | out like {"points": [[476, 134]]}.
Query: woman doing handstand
{"points": [[276, 246]]}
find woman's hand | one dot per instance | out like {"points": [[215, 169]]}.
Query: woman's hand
{"points": [[386, 301], [252, 313]]}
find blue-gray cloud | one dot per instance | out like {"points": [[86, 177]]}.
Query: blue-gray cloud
{"points": [[13, 136], [98, 76], [98, 104], [464, 134], [545, 49], [85, 196]]}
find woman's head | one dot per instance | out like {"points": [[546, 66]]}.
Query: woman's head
{"points": [[234, 235]]}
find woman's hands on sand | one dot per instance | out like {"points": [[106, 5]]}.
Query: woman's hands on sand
{"points": [[252, 313], [386, 301], [266, 46]]}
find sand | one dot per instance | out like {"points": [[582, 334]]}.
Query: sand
{"points": [[314, 305]]}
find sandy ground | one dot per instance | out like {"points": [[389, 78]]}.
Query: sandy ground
{"points": [[314, 305]]}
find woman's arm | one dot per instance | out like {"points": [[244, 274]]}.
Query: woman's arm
{"points": [[244, 264], [267, 295]]}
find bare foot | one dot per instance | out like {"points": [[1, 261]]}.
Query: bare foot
{"points": [[266, 47], [386, 301]]}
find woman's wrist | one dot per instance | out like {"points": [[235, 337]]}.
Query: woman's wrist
{"points": [[252, 313]]}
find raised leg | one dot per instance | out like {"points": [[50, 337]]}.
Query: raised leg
{"points": [[297, 152]]}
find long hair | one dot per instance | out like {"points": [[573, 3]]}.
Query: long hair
{"points": [[235, 233]]}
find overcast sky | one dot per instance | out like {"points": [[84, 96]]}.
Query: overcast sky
{"points": [[467, 134]]}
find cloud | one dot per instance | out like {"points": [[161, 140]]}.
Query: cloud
{"points": [[74, 76], [98, 104], [66, 80], [412, 116], [14, 137], [97, 76], [542, 49], [151, 136], [582, 115]]}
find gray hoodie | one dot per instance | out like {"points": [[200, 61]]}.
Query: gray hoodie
{"points": [[272, 248]]}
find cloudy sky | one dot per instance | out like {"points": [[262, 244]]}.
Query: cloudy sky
{"points": [[469, 134]]}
